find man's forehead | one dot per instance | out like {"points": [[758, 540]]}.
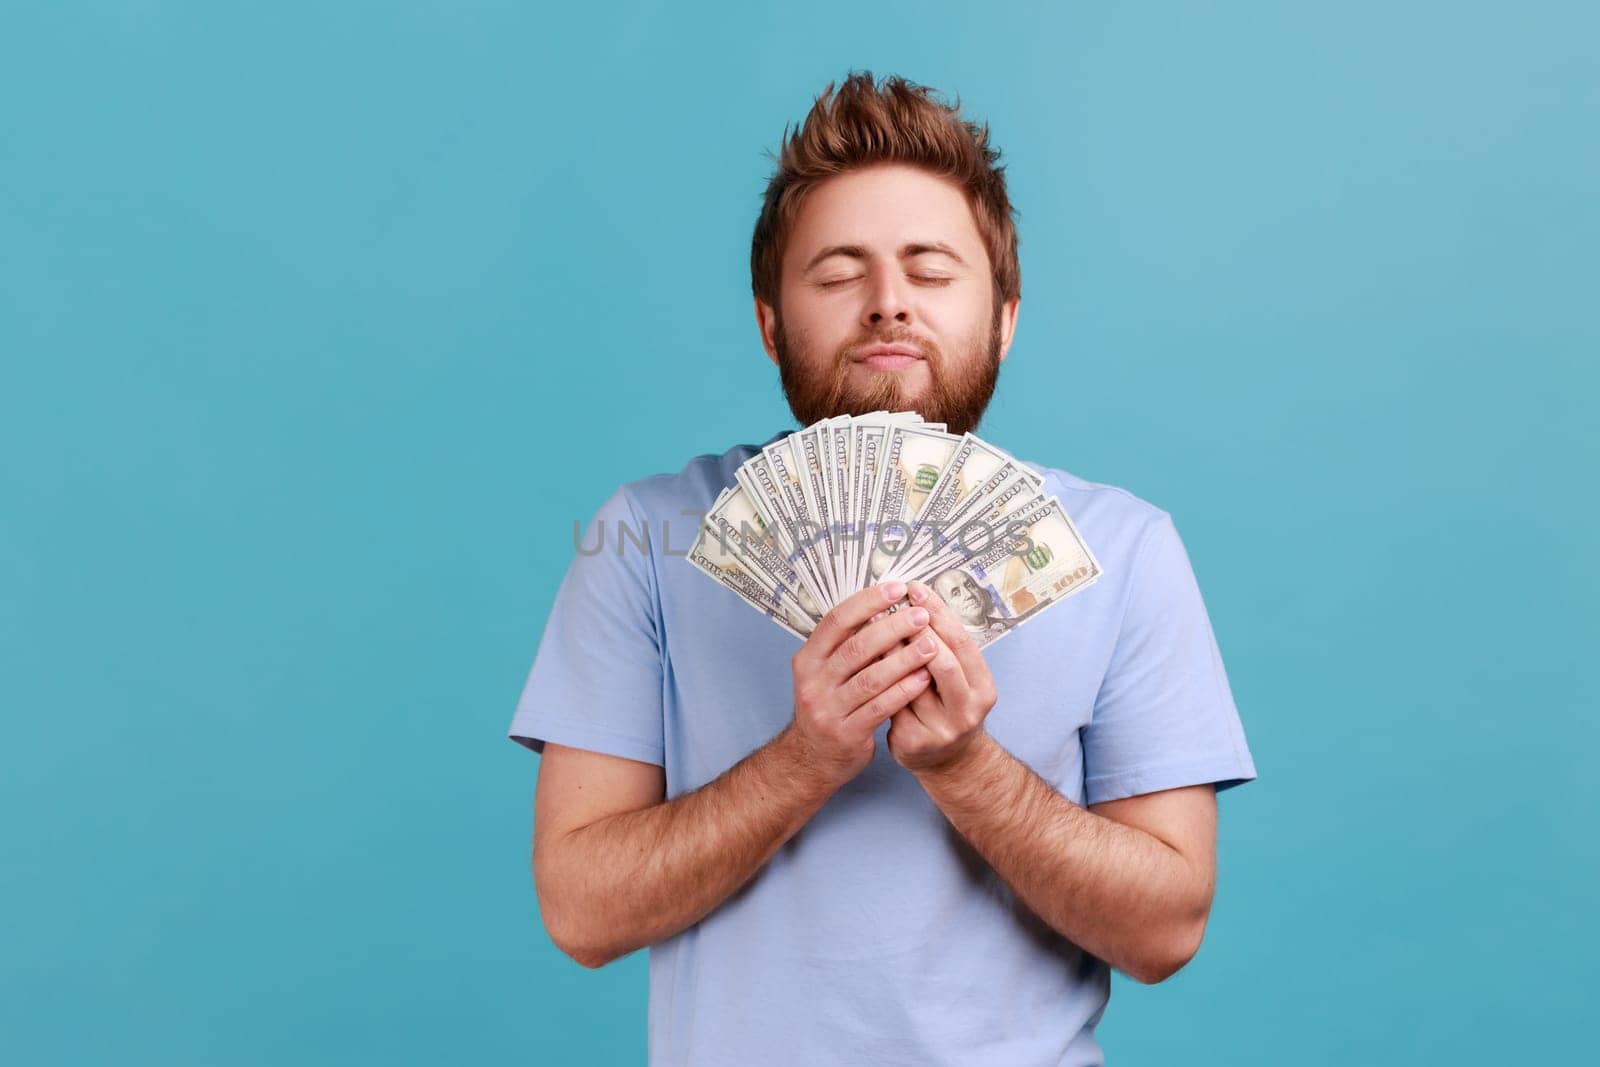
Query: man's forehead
{"points": [[895, 212]]}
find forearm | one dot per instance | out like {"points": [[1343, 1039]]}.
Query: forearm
{"points": [[1113, 890], [635, 878]]}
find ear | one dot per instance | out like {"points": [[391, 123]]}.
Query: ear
{"points": [[767, 323], [1008, 324]]}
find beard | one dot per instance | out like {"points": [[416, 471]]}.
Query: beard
{"points": [[958, 392]]}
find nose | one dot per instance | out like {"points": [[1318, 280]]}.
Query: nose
{"points": [[886, 298]]}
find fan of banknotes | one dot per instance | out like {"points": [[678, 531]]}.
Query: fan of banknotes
{"points": [[857, 500]]}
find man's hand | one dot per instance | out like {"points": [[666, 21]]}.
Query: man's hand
{"points": [[943, 722], [619, 867], [858, 667]]}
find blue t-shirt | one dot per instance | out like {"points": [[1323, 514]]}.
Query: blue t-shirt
{"points": [[876, 934]]}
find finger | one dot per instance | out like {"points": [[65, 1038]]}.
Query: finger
{"points": [[874, 678], [944, 622], [873, 640], [925, 708], [837, 625], [890, 700], [948, 677]]}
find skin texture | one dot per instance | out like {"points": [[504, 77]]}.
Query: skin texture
{"points": [[617, 867]]}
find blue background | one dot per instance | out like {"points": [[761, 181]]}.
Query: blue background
{"points": [[320, 325]]}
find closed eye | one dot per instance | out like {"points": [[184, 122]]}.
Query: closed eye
{"points": [[926, 279]]}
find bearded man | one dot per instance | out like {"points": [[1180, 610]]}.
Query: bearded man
{"points": [[877, 845]]}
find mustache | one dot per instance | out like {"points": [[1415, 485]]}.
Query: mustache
{"points": [[957, 392], [931, 352]]}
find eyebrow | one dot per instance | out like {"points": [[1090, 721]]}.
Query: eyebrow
{"points": [[916, 248]]}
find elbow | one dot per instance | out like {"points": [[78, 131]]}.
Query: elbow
{"points": [[1171, 955], [590, 958], [1157, 970], [581, 950], [566, 926]]}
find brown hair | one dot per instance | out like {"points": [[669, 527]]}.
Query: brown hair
{"points": [[895, 122]]}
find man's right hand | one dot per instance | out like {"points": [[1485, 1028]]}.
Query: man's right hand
{"points": [[852, 673]]}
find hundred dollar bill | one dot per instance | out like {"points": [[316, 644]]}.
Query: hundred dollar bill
{"points": [[729, 571], [788, 471], [856, 483], [838, 462], [770, 495], [1040, 560], [739, 528], [811, 453], [973, 465], [911, 459], [867, 442], [976, 522], [975, 541]]}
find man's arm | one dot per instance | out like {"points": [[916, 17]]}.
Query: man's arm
{"points": [[617, 869], [612, 880], [1130, 880]]}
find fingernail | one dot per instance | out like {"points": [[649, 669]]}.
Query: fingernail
{"points": [[918, 593], [925, 646], [893, 591], [917, 617]]}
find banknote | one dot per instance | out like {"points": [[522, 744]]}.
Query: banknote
{"points": [[854, 500], [723, 566], [739, 528], [953, 511], [1036, 559], [911, 462]]}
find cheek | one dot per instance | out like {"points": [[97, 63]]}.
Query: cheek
{"points": [[815, 332], [956, 316]]}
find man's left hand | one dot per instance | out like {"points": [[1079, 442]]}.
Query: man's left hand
{"points": [[941, 725]]}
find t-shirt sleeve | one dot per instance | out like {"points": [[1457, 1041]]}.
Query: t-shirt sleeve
{"points": [[596, 678], [1164, 716]]}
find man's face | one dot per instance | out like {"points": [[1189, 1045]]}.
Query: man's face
{"points": [[889, 255]]}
